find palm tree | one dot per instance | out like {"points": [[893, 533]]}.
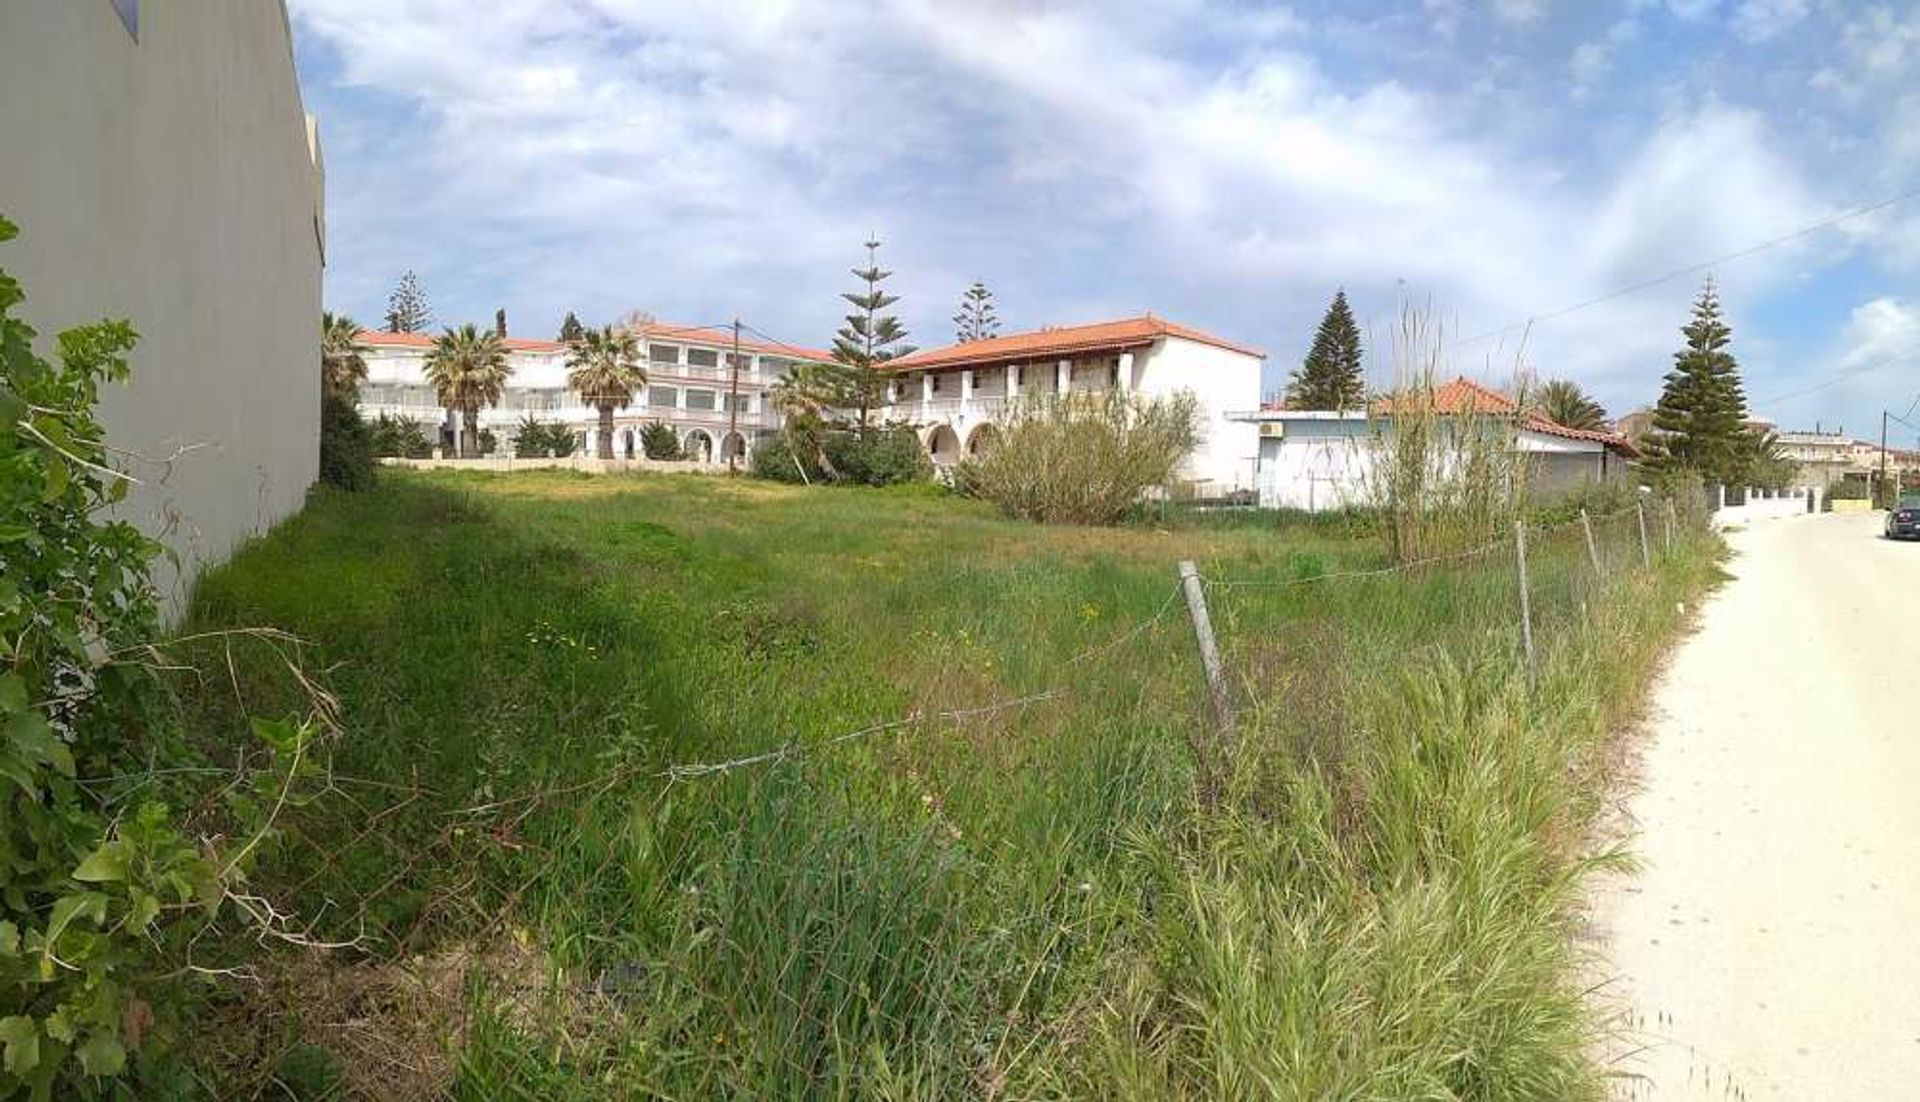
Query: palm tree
{"points": [[1564, 403], [467, 369], [343, 359], [603, 365], [807, 401]]}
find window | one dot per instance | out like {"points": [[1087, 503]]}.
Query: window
{"points": [[129, 12], [699, 399], [743, 403], [702, 357], [663, 353], [742, 361], [1013, 377], [935, 383], [663, 396]]}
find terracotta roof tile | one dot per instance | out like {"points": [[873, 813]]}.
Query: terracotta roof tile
{"points": [[1460, 395], [1071, 340], [690, 334]]}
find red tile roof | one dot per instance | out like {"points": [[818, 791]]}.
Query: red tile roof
{"points": [[379, 338], [720, 338], [1462, 395], [1071, 340]]}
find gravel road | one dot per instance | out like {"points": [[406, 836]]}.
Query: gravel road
{"points": [[1770, 947]]}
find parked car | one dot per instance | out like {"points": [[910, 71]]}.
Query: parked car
{"points": [[1903, 520]]}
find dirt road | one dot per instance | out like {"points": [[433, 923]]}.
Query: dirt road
{"points": [[1770, 948]]}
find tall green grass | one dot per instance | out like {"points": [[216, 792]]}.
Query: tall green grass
{"points": [[1021, 902]]}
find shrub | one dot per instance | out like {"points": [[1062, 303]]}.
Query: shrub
{"points": [[533, 439], [887, 455], [102, 898], [346, 444], [398, 437], [1084, 459], [776, 459], [659, 441]]}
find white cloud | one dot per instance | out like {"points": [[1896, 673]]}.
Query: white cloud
{"points": [[1759, 20], [706, 160], [1520, 11]]}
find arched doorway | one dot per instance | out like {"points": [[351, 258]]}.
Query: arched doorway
{"points": [[698, 445], [981, 441], [943, 444], [626, 444], [733, 446]]}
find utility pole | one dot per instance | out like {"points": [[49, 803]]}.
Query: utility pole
{"points": [[733, 400], [1883, 458]]}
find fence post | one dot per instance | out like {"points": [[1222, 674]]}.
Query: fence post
{"points": [[1526, 600], [1646, 556], [1216, 679], [1672, 523], [1593, 550]]}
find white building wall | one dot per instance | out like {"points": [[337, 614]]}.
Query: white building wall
{"points": [[1224, 382], [170, 180]]}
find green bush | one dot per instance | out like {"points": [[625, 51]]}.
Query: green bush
{"points": [[398, 437], [534, 439], [884, 456], [659, 441], [103, 900], [1084, 459], [346, 444], [889, 455]]}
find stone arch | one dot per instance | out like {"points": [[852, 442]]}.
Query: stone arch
{"points": [[698, 445], [981, 440], [943, 445], [733, 446]]}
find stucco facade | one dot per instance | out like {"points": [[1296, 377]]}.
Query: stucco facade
{"points": [[690, 388], [954, 395], [161, 168]]}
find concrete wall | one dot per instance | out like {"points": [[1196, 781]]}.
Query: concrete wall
{"points": [[1224, 382], [170, 179], [1325, 462]]}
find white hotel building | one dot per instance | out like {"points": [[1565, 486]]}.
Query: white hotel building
{"points": [[951, 395], [955, 394], [689, 383]]}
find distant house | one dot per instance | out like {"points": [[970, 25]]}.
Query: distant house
{"points": [[691, 387], [1319, 460], [1822, 458], [955, 394], [162, 169]]}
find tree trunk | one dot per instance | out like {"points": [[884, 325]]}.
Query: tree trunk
{"points": [[606, 432]]}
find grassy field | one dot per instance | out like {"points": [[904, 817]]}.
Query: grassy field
{"points": [[971, 863]]}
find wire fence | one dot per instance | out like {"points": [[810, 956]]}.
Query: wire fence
{"points": [[816, 928]]}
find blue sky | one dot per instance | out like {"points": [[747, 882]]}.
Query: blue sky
{"points": [[1224, 164]]}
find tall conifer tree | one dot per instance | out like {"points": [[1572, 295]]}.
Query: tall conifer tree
{"points": [[976, 320], [1699, 425], [869, 338], [1332, 376], [407, 309]]}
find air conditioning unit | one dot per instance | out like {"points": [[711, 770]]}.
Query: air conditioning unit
{"points": [[1273, 430]]}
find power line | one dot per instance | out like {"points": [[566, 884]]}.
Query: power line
{"points": [[1842, 376], [1693, 269]]}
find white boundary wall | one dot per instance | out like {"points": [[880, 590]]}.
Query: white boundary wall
{"points": [[171, 178], [1782, 503]]}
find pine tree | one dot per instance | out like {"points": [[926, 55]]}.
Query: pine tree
{"points": [[976, 320], [1331, 377], [571, 330], [500, 323], [869, 339], [407, 309], [1699, 425]]}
